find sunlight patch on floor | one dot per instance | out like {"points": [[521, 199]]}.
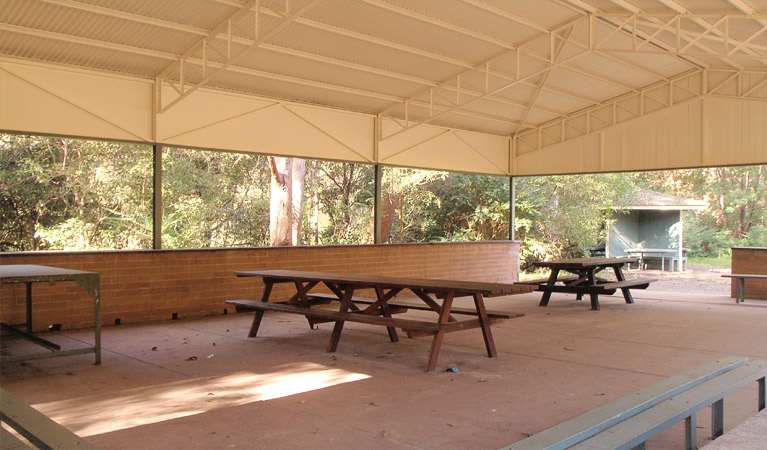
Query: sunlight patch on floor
{"points": [[88, 416]]}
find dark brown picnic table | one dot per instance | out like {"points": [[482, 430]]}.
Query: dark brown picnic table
{"points": [[379, 311], [586, 281]]}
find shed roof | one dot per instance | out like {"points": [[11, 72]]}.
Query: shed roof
{"points": [[652, 200]]}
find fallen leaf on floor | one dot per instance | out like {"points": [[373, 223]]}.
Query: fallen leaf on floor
{"points": [[154, 349], [569, 349], [192, 358], [210, 356], [450, 425], [315, 431], [371, 404], [214, 344], [210, 393]]}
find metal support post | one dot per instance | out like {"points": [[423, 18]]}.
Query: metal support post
{"points": [[717, 419], [512, 208], [157, 198], [377, 204], [690, 435]]}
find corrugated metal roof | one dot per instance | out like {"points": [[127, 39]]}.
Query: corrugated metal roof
{"points": [[483, 65]]}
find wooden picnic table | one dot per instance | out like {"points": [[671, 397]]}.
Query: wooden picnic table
{"points": [[29, 274], [379, 311], [586, 281]]}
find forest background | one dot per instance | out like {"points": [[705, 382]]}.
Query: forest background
{"points": [[67, 194]]}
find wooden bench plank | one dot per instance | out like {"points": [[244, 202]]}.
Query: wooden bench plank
{"points": [[569, 433], [335, 315], [566, 279], [634, 283], [35, 426], [639, 428], [423, 307], [595, 289]]}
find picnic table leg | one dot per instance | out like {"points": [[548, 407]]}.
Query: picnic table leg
{"points": [[484, 322], [346, 302], [260, 314], [552, 281], [626, 291], [386, 312], [436, 343], [593, 295]]}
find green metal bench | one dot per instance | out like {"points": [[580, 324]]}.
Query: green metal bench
{"points": [[34, 426], [630, 421]]}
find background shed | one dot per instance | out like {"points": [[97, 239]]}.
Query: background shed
{"points": [[649, 220]]}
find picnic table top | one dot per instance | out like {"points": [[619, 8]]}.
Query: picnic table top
{"points": [[362, 281], [584, 263]]}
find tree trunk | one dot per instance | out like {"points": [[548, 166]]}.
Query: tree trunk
{"points": [[286, 201], [280, 217], [298, 175]]}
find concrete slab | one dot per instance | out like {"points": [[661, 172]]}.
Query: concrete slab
{"points": [[204, 384]]}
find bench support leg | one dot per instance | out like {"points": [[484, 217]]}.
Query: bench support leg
{"points": [[717, 419], [761, 388], [690, 435], [641, 446], [740, 291]]}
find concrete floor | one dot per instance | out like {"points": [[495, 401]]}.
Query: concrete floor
{"points": [[203, 384]]}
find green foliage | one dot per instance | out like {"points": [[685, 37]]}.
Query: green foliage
{"points": [[60, 193], [737, 198], [214, 199], [73, 194], [561, 216], [339, 204]]}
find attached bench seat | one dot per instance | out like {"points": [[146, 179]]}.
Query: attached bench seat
{"points": [[35, 426], [333, 316], [629, 422], [404, 306], [567, 279], [607, 288]]}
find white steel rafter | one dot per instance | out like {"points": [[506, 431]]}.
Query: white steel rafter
{"points": [[742, 84], [521, 58], [225, 29], [691, 35], [196, 63]]}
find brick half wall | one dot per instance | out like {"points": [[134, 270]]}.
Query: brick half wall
{"points": [[153, 285], [750, 260]]}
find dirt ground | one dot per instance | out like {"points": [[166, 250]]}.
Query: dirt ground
{"points": [[697, 279]]}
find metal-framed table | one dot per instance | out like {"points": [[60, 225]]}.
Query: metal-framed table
{"points": [[379, 312], [585, 280], [29, 274]]}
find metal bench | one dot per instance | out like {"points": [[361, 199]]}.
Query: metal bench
{"points": [[627, 423], [34, 426], [740, 283]]}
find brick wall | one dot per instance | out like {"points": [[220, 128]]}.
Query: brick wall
{"points": [[750, 260], [151, 285]]}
